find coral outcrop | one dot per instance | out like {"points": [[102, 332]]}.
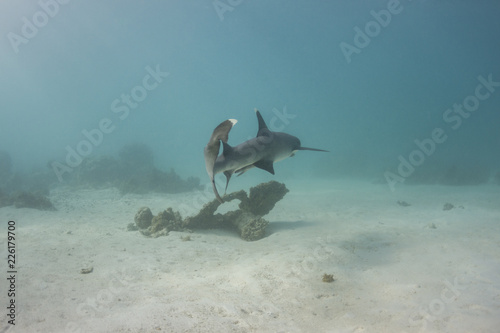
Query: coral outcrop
{"points": [[143, 218], [248, 220]]}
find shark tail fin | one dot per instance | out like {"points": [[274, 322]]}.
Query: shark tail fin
{"points": [[220, 133]]}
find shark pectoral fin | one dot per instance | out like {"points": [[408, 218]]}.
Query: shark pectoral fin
{"points": [[265, 165], [228, 175], [244, 169]]}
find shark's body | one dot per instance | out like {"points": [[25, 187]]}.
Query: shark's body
{"points": [[261, 152]]}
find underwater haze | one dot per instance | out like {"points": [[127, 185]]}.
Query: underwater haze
{"points": [[329, 71], [389, 222]]}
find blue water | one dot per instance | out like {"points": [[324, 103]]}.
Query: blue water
{"points": [[365, 96], [400, 92]]}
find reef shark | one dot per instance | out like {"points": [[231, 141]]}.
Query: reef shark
{"points": [[261, 152]]}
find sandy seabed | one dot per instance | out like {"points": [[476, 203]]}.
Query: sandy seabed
{"points": [[396, 269]]}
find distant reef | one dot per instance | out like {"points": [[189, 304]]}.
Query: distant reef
{"points": [[454, 175], [359, 165], [22, 192], [133, 171], [25, 199]]}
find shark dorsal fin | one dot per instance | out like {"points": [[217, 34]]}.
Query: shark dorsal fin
{"points": [[262, 124], [265, 165]]}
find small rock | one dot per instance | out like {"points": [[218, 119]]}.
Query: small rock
{"points": [[87, 270], [328, 278], [448, 206]]}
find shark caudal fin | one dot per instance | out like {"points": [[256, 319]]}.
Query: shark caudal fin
{"points": [[211, 152], [221, 132]]}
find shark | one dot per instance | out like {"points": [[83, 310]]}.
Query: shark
{"points": [[260, 152]]}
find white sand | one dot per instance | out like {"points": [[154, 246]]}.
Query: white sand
{"points": [[394, 272]]}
